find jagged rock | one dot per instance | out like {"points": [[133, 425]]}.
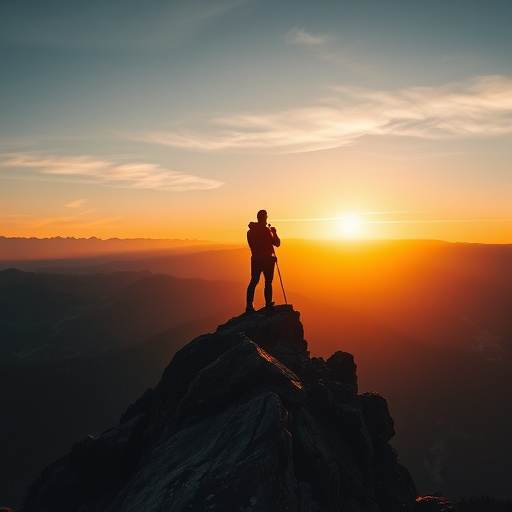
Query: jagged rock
{"points": [[343, 369], [242, 420]]}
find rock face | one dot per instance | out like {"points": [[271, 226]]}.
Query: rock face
{"points": [[242, 420]]}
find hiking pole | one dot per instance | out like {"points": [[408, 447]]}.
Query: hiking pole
{"points": [[279, 272]]}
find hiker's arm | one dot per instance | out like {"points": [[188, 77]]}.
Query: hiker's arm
{"points": [[275, 239]]}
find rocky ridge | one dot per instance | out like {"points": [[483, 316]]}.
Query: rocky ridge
{"points": [[243, 419]]}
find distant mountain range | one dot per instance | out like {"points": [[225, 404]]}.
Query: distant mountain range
{"points": [[62, 248], [434, 292], [53, 316]]}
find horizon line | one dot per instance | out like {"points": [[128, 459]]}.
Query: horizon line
{"points": [[352, 241]]}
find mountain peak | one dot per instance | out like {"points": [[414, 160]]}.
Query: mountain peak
{"points": [[242, 419]]}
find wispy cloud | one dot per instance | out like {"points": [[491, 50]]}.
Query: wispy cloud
{"points": [[301, 36], [78, 203], [480, 107], [362, 215], [107, 173], [439, 221], [358, 214], [327, 46]]}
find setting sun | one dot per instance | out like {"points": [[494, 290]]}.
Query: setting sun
{"points": [[350, 226]]}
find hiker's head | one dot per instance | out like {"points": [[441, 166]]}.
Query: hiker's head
{"points": [[262, 216]]}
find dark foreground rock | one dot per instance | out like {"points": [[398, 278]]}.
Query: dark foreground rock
{"points": [[242, 420]]}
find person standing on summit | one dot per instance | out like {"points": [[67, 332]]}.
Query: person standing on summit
{"points": [[262, 240]]}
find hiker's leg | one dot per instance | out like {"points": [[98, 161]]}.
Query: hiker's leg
{"points": [[268, 273], [255, 278]]}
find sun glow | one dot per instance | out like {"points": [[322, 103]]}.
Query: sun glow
{"points": [[350, 226]]}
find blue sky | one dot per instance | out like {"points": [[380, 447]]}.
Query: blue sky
{"points": [[201, 112]]}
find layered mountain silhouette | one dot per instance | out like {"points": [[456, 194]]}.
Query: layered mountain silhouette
{"points": [[242, 419], [448, 294], [52, 316]]}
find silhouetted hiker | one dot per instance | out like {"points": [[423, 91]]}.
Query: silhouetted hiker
{"points": [[261, 240]]}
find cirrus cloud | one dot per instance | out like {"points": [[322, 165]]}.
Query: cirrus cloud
{"points": [[480, 107], [78, 203], [301, 36], [107, 173]]}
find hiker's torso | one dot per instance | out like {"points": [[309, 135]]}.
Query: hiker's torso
{"points": [[260, 240]]}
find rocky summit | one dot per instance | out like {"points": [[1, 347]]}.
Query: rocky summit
{"points": [[243, 419]]}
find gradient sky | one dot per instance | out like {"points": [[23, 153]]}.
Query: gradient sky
{"points": [[181, 119]]}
